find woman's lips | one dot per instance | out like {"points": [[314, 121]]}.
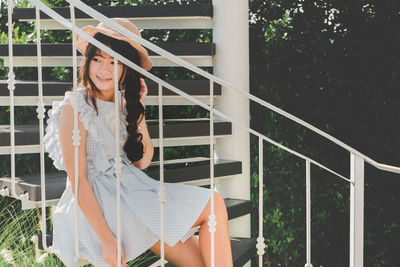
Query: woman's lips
{"points": [[102, 80]]}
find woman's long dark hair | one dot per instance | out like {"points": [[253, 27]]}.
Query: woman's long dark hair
{"points": [[131, 84]]}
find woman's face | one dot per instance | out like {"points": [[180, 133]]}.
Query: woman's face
{"points": [[101, 71]]}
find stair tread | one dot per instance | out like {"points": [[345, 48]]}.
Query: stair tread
{"points": [[245, 207], [243, 249], [172, 128], [140, 11], [65, 49], [173, 173], [58, 88]]}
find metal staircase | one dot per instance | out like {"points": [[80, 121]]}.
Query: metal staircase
{"points": [[229, 131], [177, 132]]}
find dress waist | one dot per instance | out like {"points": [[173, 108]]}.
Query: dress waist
{"points": [[131, 178], [106, 165]]}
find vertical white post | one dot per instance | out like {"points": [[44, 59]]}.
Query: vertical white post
{"points": [[308, 214], [356, 211], [11, 88], [75, 133], [212, 218], [231, 63], [40, 111], [117, 161], [162, 193], [260, 240]]}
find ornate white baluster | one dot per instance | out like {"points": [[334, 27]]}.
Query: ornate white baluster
{"points": [[260, 240], [76, 138], [118, 170], [162, 193], [212, 218], [308, 213], [75, 132], [11, 88], [40, 111], [117, 161]]}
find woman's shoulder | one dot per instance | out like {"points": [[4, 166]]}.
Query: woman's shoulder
{"points": [[81, 98], [61, 113], [69, 95]]}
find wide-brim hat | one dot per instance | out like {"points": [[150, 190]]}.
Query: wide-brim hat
{"points": [[81, 43]]}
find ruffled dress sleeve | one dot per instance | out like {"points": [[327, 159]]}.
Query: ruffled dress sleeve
{"points": [[51, 138]]}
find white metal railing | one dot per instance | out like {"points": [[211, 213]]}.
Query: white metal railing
{"points": [[76, 134], [11, 87], [41, 110], [308, 215], [357, 159]]}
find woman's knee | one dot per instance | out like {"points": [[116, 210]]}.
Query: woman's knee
{"points": [[182, 254], [219, 210], [220, 207]]}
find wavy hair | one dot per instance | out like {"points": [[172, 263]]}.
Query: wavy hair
{"points": [[130, 84]]}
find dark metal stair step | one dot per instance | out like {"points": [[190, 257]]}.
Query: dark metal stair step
{"points": [[65, 50], [57, 88], [29, 134], [237, 207], [190, 171], [174, 173], [243, 249], [140, 11]]}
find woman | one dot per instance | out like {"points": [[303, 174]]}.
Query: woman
{"points": [[187, 208]]}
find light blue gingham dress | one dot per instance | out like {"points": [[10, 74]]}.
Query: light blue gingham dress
{"points": [[140, 206]]}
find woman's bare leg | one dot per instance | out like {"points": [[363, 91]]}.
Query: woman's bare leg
{"points": [[182, 254], [197, 253], [222, 244]]}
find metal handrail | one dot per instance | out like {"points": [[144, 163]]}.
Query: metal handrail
{"points": [[106, 49], [97, 15]]}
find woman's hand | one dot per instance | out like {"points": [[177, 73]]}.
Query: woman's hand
{"points": [[143, 91], [110, 252]]}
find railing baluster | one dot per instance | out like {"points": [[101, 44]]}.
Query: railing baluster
{"points": [[40, 111], [11, 88], [260, 240], [75, 132], [118, 159], [356, 210], [308, 213], [212, 218], [162, 193]]}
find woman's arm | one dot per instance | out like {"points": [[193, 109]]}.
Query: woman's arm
{"points": [[148, 148], [87, 200]]}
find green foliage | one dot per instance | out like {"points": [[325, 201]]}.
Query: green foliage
{"points": [[335, 65], [17, 37], [19, 237], [17, 231]]}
